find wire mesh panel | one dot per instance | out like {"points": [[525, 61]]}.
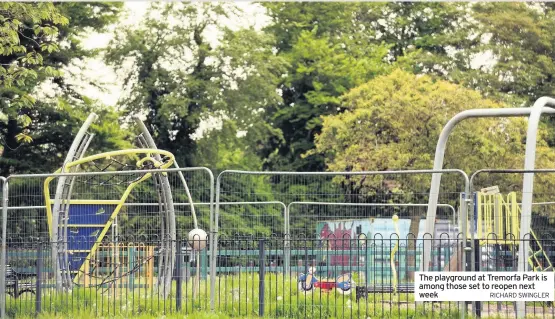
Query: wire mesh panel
{"points": [[252, 219], [336, 187], [321, 219], [257, 284], [496, 224], [94, 198], [4, 210], [116, 244], [338, 222], [543, 198]]}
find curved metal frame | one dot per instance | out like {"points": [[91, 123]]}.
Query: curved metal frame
{"points": [[168, 262], [64, 195], [534, 113]]}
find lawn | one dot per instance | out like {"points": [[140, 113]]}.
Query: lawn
{"points": [[237, 297]]}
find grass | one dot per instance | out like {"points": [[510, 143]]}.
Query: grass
{"points": [[237, 297]]}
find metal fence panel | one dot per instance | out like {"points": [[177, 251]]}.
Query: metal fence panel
{"points": [[326, 211], [288, 245], [118, 271], [496, 224], [4, 201]]}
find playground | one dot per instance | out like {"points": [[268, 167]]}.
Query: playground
{"points": [[129, 232]]}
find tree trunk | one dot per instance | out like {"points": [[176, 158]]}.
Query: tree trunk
{"points": [[10, 146], [411, 246]]}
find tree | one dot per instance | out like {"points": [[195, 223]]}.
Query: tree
{"points": [[178, 76], [26, 34], [333, 47], [379, 132], [517, 39], [320, 71], [38, 41], [339, 22], [393, 123]]}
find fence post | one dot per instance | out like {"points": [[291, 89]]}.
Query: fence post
{"points": [[478, 259], [261, 276], [179, 283], [38, 292], [3, 248]]}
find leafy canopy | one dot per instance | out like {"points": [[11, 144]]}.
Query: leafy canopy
{"points": [[178, 76], [393, 122]]}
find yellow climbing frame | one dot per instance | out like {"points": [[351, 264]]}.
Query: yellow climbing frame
{"points": [[498, 222], [148, 156]]}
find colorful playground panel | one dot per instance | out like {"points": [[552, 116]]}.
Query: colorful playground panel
{"points": [[85, 224]]}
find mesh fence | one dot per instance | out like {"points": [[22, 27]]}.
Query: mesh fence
{"points": [[289, 245], [116, 239], [94, 198], [366, 219], [511, 182], [313, 199], [339, 224], [119, 279]]}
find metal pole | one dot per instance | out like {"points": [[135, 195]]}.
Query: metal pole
{"points": [[213, 239], [38, 290], [179, 281], [3, 253], [59, 192], [478, 259], [528, 188], [440, 153], [261, 277], [170, 212]]}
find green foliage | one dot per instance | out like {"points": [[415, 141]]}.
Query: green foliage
{"points": [[233, 289], [37, 40], [520, 40], [333, 47], [393, 122], [321, 71], [338, 21], [223, 149], [178, 77], [26, 33]]}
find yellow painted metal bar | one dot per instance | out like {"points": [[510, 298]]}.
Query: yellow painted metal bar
{"points": [[498, 211], [490, 217], [506, 217], [48, 201], [86, 225], [515, 215], [119, 203], [479, 202], [123, 152], [395, 219], [147, 151], [116, 211]]}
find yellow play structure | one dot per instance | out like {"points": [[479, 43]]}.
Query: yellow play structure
{"points": [[89, 220], [498, 222]]}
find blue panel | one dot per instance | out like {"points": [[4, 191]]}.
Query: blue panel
{"points": [[90, 213], [83, 238]]}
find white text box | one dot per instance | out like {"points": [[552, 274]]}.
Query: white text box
{"points": [[482, 286]]}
